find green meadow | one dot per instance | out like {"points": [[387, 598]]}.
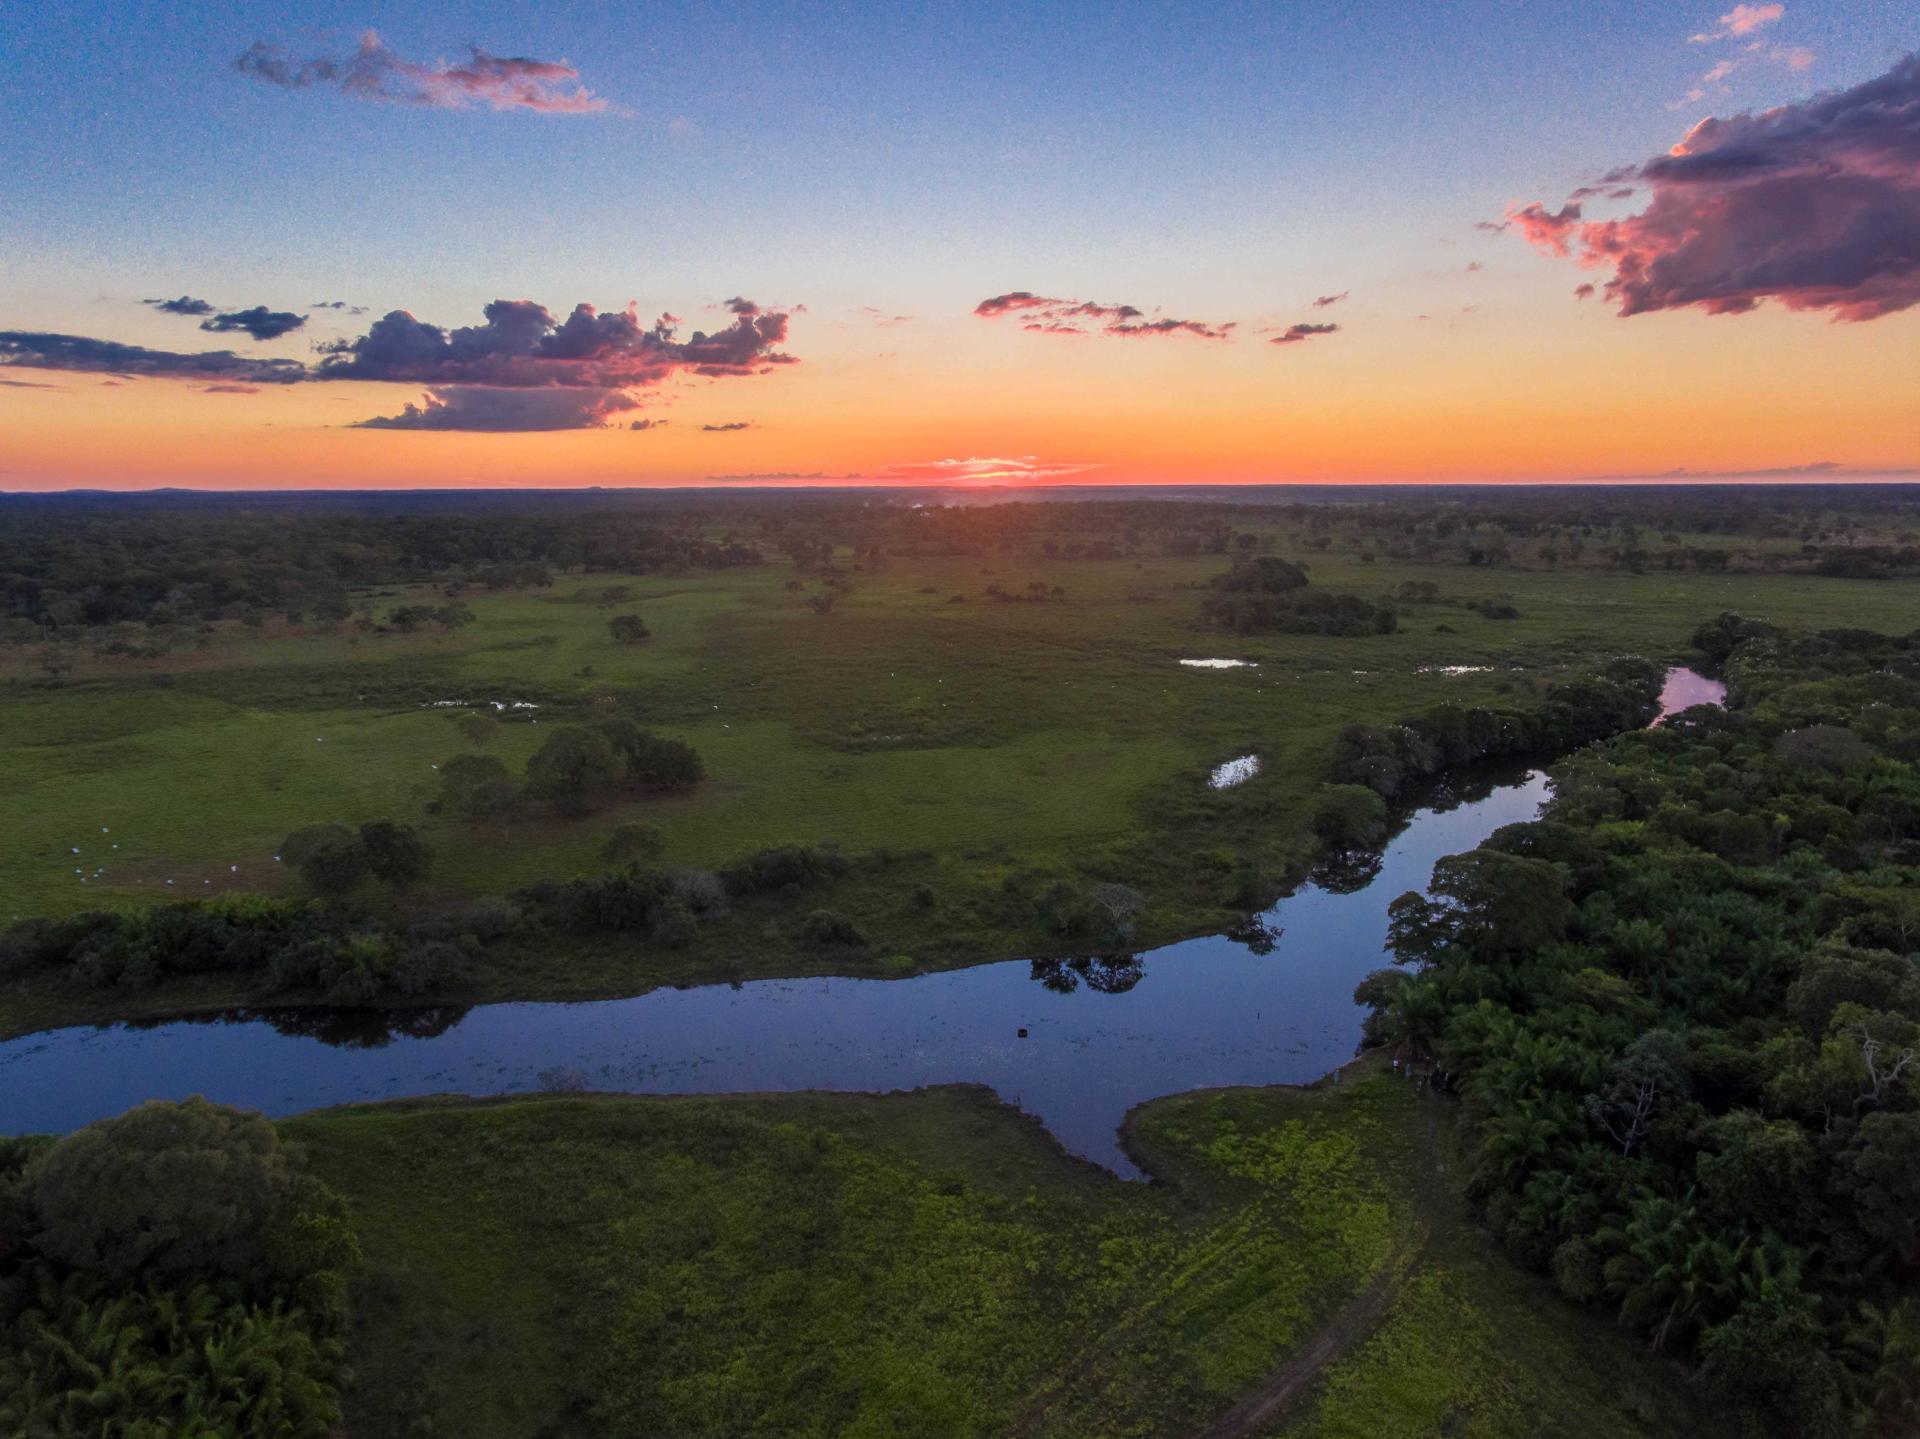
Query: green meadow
{"points": [[709, 1266], [974, 746]]}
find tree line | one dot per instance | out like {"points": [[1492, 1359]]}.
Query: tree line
{"points": [[1682, 1012]]}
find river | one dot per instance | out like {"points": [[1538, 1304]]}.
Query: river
{"points": [[1074, 1043]]}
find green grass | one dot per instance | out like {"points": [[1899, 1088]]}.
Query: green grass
{"points": [[932, 1264], [974, 741]]}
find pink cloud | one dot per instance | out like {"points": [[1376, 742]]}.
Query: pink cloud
{"points": [[1816, 205], [1741, 20], [373, 72], [1296, 334], [1544, 229], [1047, 315]]}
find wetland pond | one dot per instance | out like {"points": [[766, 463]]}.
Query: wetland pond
{"points": [[1076, 1043]]}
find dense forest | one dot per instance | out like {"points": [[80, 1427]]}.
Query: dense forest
{"points": [[1682, 1009], [170, 1272]]}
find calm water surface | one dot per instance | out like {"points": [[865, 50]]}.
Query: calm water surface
{"points": [[1271, 1003]]}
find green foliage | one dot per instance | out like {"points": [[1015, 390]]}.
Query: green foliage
{"points": [[628, 629], [1683, 1010], [917, 1264], [1349, 816], [329, 857], [396, 854], [633, 843], [180, 1274], [477, 787], [170, 1191], [823, 929], [573, 768]]}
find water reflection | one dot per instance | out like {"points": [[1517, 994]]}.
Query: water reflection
{"points": [[1269, 1002], [341, 1027], [1102, 973]]}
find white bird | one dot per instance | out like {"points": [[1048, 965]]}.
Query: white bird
{"points": [[76, 849]]}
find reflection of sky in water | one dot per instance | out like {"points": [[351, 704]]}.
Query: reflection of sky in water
{"points": [[1203, 1012]]}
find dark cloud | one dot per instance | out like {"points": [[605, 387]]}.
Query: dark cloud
{"points": [[727, 428], [1295, 334], [260, 322], [1816, 205], [229, 389], [499, 411], [1583, 292], [185, 305], [647, 424], [1048, 315], [589, 356], [1322, 301], [338, 305], [39, 351], [522, 346], [373, 72]]}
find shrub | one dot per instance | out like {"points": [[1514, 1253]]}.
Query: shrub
{"points": [[633, 843], [179, 1191], [628, 629], [395, 853], [329, 857], [787, 866], [826, 929], [572, 767]]}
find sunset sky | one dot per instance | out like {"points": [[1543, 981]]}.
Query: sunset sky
{"points": [[1102, 243]]}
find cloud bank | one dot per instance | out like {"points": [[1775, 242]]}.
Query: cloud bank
{"points": [[471, 374], [373, 72], [499, 411], [36, 350], [1815, 205]]}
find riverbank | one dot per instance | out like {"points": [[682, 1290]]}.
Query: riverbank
{"points": [[1075, 1042], [528, 1258]]}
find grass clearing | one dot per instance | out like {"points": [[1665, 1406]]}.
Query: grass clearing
{"points": [[932, 1263], [971, 742]]}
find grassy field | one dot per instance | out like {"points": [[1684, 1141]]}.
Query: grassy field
{"points": [[933, 1264], [974, 743]]}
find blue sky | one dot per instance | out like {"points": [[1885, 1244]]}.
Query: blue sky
{"points": [[1219, 160]]}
